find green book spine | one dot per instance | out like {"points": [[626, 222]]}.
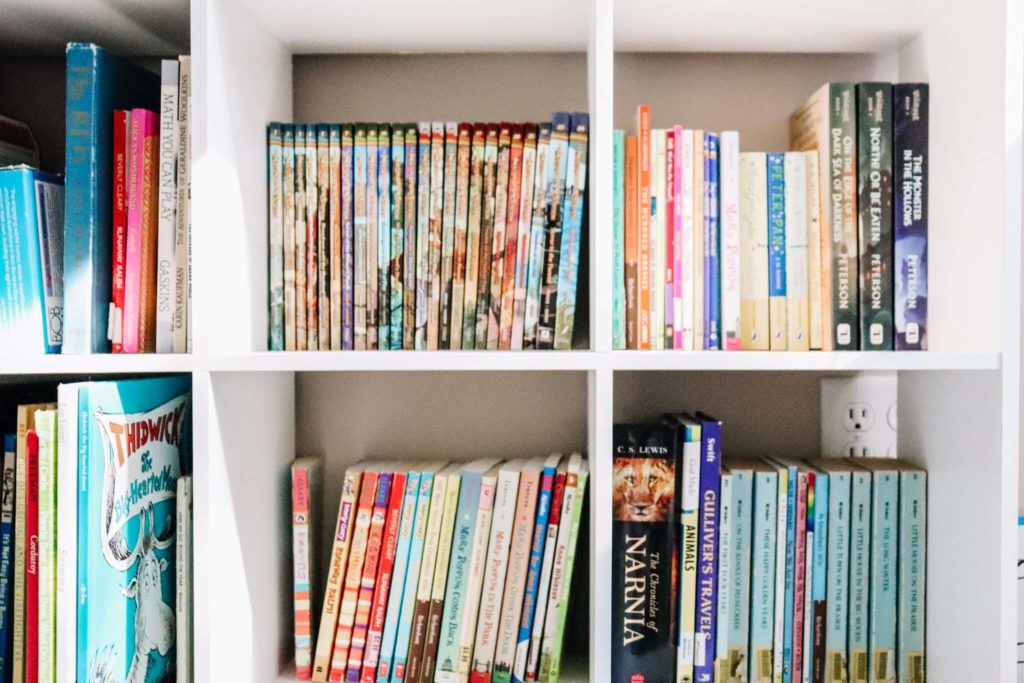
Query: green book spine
{"points": [[555, 665], [843, 186]]}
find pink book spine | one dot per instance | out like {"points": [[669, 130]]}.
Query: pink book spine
{"points": [[677, 231], [143, 124], [670, 238], [800, 562]]}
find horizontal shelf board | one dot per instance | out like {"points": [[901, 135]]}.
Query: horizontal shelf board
{"points": [[369, 361], [94, 364], [574, 670], [392, 26], [802, 360]]}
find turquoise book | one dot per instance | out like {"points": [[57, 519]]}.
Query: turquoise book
{"points": [[885, 495], [736, 622], [837, 572], [618, 244], [134, 442], [32, 238], [814, 655], [860, 552], [764, 520], [789, 584], [911, 584], [725, 570], [398, 581], [97, 84]]}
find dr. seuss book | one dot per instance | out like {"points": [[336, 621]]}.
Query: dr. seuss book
{"points": [[134, 438]]}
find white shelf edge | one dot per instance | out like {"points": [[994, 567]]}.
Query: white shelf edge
{"points": [[105, 363], [803, 360], [573, 671], [403, 361]]}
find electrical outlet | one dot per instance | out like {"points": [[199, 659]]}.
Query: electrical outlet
{"points": [[858, 415]]}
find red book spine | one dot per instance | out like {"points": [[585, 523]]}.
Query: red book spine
{"points": [[805, 480], [515, 184], [120, 226], [32, 557], [379, 608]]}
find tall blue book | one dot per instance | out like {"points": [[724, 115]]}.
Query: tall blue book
{"points": [[6, 558], [133, 442], [707, 554], [712, 303], [31, 234], [97, 84]]}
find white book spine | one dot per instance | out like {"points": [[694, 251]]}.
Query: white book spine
{"points": [[814, 237], [47, 641], [691, 505], [183, 582], [689, 262], [167, 202], [729, 215], [67, 518], [797, 310], [182, 236]]}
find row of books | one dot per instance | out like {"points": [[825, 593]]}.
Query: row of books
{"points": [[824, 247], [447, 573], [99, 259], [95, 535], [783, 570], [429, 236]]}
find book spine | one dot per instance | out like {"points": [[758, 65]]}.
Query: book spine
{"points": [[712, 258], [384, 589], [395, 598], [726, 578], [618, 243], [837, 579], [516, 189], [815, 275], [912, 556], [762, 576], [467, 165], [631, 255], [669, 262], [411, 669], [547, 565], [288, 179], [533, 575], [301, 340], [910, 230], [361, 236], [796, 228], [689, 522], [531, 247], [560, 580], [439, 585], [707, 564], [436, 236], [699, 216], [533, 160], [411, 217], [148, 248], [557, 199], [323, 237], [67, 550], [20, 509], [46, 427], [133, 248], [334, 238], [383, 236], [122, 174], [313, 264], [739, 614], [372, 275], [183, 225], [276, 239], [790, 576], [302, 572], [874, 214], [787, 494], [498, 243], [183, 575], [799, 576], [551, 659], [676, 216], [488, 215], [31, 556], [860, 558], [396, 279], [729, 216], [167, 206], [883, 574], [344, 229], [658, 236], [413, 574], [806, 667], [572, 231], [422, 250], [643, 180], [819, 576], [687, 274], [477, 566], [754, 323], [842, 188], [7, 608], [642, 646], [452, 166], [777, 251], [478, 165]]}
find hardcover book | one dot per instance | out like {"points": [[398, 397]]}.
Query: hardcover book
{"points": [[122, 135], [67, 543], [182, 220], [910, 229]]}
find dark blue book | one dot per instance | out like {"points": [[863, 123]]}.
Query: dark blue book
{"points": [[707, 549], [97, 84], [712, 313], [910, 186], [6, 559]]}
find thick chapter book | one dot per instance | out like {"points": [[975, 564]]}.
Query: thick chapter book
{"points": [[910, 222], [643, 547], [777, 251], [519, 155], [860, 559], [816, 625], [729, 250], [453, 149], [167, 193], [884, 568], [475, 575], [32, 230], [754, 324], [547, 302], [474, 215], [525, 332], [618, 245], [494, 150], [797, 285], [875, 214], [815, 287], [533, 157], [435, 239], [465, 167], [725, 571], [134, 437], [439, 587], [707, 553], [913, 526], [572, 230], [139, 324], [762, 572], [306, 475], [97, 83], [6, 557]]}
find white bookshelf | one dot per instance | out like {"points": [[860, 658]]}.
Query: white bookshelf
{"points": [[717, 64]]}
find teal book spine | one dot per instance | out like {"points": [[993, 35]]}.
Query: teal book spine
{"points": [[762, 576], [860, 552], [725, 571], [618, 242], [883, 573], [399, 580], [790, 578], [737, 621], [458, 573], [911, 591], [82, 546], [837, 577], [816, 627], [403, 636]]}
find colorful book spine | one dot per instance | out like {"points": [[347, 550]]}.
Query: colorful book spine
{"points": [[524, 330], [547, 302], [20, 507], [883, 572], [460, 259], [815, 274], [547, 565], [323, 236], [807, 637], [737, 620], [67, 543], [475, 575], [372, 275], [516, 171], [754, 281], [396, 265], [762, 575], [302, 570], [422, 244], [618, 245], [712, 259], [485, 254], [167, 198], [911, 584], [910, 229], [729, 219], [777, 251], [383, 236], [677, 236], [46, 427], [7, 565], [658, 246], [478, 165], [452, 167], [796, 228], [631, 245], [533, 573], [439, 586], [499, 240], [32, 553], [707, 564], [143, 125], [799, 574], [642, 646], [435, 239], [699, 215], [782, 649], [288, 179], [572, 230], [837, 576], [334, 237], [312, 240], [360, 238], [348, 237], [874, 214], [818, 624], [411, 219], [688, 523], [670, 239], [119, 227], [643, 181], [842, 140], [860, 562], [689, 261], [300, 238], [725, 573]]}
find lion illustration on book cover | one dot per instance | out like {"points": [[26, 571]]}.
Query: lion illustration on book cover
{"points": [[643, 489]]}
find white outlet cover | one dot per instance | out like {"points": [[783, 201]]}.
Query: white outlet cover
{"points": [[858, 415]]}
